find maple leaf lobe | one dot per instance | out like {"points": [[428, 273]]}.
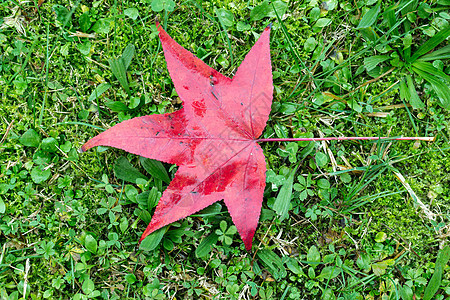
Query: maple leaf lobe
{"points": [[212, 138]]}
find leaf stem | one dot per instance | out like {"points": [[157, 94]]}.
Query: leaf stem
{"points": [[349, 138]]}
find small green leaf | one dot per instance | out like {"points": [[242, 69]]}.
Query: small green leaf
{"points": [[131, 12], [322, 22], [406, 292], [117, 106], [313, 256], [380, 237], [435, 281], [329, 272], [84, 48], [99, 90], [372, 61], [414, 99], [90, 243], [369, 17], [310, 44], [88, 286], [261, 11], [273, 263], [155, 169], [283, 201], [321, 159], [103, 26], [30, 138], [226, 18], [2, 206], [119, 71], [242, 26], [49, 144], [152, 240], [124, 170], [127, 55], [206, 245], [39, 174], [160, 5], [85, 22]]}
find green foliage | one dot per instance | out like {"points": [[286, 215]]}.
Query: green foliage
{"points": [[332, 227]]}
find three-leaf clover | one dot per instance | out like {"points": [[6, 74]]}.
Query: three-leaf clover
{"points": [[226, 235]]}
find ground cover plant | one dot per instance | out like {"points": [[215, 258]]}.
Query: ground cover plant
{"points": [[349, 220]]}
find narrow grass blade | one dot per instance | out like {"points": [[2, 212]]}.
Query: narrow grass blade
{"points": [[441, 89], [443, 53], [429, 68], [431, 43]]}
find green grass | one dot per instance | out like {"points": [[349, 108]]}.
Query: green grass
{"points": [[70, 221]]}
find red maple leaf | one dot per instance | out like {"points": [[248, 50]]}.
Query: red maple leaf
{"points": [[212, 138]]}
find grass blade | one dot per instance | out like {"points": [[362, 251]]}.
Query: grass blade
{"points": [[431, 43]]}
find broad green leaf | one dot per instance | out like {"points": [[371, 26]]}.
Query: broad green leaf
{"points": [[127, 55], [435, 281], [313, 256], [281, 205], [431, 43], [414, 99], [152, 240], [2, 206], [117, 106], [49, 144], [441, 89], [261, 11], [310, 44], [372, 61], [85, 22], [90, 244], [280, 9], [40, 174], [30, 138], [321, 159], [125, 171], [322, 22], [329, 272], [242, 26], [131, 12], [99, 90], [88, 286], [206, 245], [84, 48], [273, 263], [292, 265], [406, 292], [160, 5], [226, 18], [120, 72], [369, 17], [155, 168], [103, 26]]}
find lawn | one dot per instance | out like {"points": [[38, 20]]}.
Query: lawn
{"points": [[339, 219]]}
